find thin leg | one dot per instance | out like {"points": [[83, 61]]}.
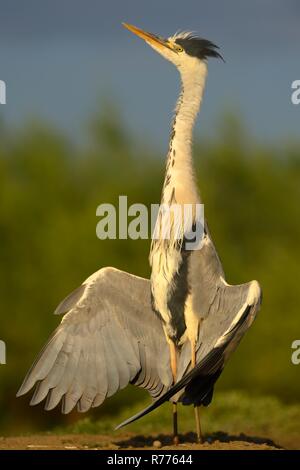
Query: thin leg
{"points": [[175, 425], [196, 408], [174, 372]]}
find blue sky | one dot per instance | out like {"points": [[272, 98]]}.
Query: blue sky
{"points": [[62, 60]]}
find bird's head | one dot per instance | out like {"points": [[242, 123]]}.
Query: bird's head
{"points": [[184, 50]]}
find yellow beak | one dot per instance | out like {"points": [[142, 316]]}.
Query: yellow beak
{"points": [[148, 37]]}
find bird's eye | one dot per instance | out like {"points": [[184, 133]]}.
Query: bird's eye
{"points": [[179, 49]]}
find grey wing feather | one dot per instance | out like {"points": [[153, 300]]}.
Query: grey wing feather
{"points": [[108, 337], [227, 304], [70, 301]]}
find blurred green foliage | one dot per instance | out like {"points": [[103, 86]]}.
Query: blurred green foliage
{"points": [[49, 194]]}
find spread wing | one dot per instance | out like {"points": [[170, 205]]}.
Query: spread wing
{"points": [[108, 337]]}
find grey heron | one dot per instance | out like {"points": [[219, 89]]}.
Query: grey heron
{"points": [[178, 297], [115, 328]]}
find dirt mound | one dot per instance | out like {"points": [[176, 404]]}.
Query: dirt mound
{"points": [[219, 441]]}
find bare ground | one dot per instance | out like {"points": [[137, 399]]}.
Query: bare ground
{"points": [[219, 441]]}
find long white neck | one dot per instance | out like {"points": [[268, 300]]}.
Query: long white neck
{"points": [[179, 178]]}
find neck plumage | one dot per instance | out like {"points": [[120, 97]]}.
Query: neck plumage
{"points": [[180, 186]]}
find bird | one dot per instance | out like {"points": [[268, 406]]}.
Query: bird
{"points": [[184, 282], [114, 331]]}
